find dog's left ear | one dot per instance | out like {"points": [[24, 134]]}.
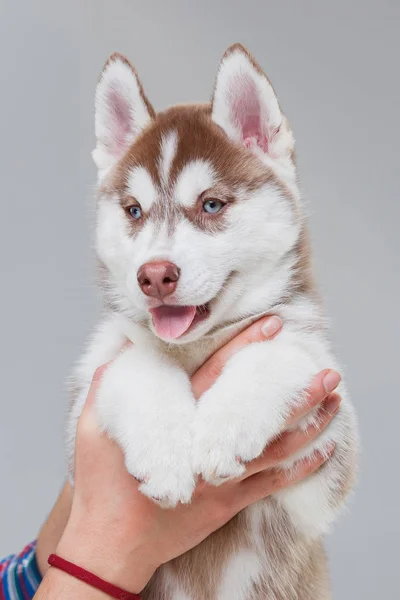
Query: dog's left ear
{"points": [[244, 104]]}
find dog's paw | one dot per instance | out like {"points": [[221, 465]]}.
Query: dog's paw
{"points": [[163, 482], [165, 474], [168, 489], [223, 445]]}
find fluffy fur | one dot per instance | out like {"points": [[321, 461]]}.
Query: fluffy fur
{"points": [[249, 259]]}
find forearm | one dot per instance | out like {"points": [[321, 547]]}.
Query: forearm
{"points": [[52, 530]]}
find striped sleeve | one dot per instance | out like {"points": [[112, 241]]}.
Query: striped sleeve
{"points": [[19, 575]]}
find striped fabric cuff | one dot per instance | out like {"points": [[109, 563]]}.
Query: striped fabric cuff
{"points": [[19, 575]]}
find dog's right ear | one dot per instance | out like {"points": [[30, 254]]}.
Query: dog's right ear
{"points": [[121, 112]]}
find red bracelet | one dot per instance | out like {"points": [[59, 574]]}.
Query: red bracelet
{"points": [[90, 578]]}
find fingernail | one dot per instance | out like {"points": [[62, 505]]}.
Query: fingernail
{"points": [[331, 381], [271, 326], [332, 404]]}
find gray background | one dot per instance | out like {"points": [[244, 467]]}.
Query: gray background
{"points": [[336, 72]]}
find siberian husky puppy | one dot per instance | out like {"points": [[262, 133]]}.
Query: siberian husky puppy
{"points": [[200, 230]]}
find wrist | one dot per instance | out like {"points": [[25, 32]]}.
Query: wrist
{"points": [[126, 563], [60, 585]]}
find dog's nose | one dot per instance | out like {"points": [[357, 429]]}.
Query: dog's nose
{"points": [[158, 279]]}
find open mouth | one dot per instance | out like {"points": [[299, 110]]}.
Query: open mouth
{"points": [[174, 321]]}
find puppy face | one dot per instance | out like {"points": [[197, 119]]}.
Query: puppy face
{"points": [[198, 204]]}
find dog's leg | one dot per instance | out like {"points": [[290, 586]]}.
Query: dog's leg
{"points": [[145, 403], [249, 405]]}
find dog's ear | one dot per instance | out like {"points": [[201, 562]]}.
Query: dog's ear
{"points": [[244, 104], [121, 111]]}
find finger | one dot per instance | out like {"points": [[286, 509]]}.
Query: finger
{"points": [[93, 445], [259, 331], [291, 442], [89, 434], [268, 482], [322, 384]]}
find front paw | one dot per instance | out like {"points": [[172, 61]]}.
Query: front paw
{"points": [[165, 474], [224, 443]]}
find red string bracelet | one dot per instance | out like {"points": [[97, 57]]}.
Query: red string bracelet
{"points": [[90, 578]]}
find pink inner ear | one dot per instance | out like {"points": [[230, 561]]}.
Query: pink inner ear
{"points": [[245, 111], [120, 123]]}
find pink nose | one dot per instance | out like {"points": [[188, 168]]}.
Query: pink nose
{"points": [[158, 279]]}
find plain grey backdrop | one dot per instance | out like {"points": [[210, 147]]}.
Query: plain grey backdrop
{"points": [[335, 67]]}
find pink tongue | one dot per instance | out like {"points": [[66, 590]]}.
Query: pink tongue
{"points": [[172, 321]]}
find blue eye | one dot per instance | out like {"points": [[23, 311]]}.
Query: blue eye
{"points": [[212, 206], [135, 212]]}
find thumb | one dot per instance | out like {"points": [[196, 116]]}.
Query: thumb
{"points": [[94, 386]]}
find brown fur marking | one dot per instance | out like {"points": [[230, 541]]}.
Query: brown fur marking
{"points": [[296, 569], [198, 138]]}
